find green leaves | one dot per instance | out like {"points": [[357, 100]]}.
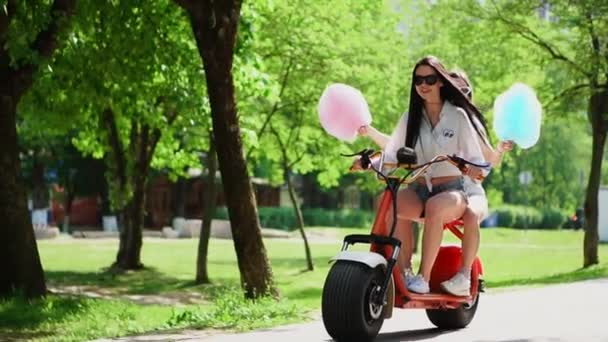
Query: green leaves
{"points": [[545, 46], [306, 45], [137, 59]]}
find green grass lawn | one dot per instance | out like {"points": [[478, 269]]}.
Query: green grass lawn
{"points": [[164, 297]]}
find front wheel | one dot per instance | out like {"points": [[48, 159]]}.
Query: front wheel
{"points": [[349, 313], [450, 319]]}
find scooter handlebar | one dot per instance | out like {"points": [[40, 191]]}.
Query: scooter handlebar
{"points": [[367, 158]]}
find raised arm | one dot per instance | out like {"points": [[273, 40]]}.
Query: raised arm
{"points": [[494, 157], [377, 137]]}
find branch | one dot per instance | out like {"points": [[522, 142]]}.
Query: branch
{"points": [[297, 135], [281, 91], [44, 44], [46, 41], [297, 160], [281, 146], [275, 107], [526, 33], [298, 104], [5, 19], [143, 157], [606, 49], [6, 15], [134, 137], [157, 133], [567, 92], [595, 43], [298, 125], [109, 123]]}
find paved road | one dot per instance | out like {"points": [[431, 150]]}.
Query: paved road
{"points": [[566, 312]]}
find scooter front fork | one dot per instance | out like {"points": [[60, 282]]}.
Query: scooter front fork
{"points": [[380, 298]]}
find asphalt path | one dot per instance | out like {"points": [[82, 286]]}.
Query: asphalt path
{"points": [[565, 312], [575, 312]]}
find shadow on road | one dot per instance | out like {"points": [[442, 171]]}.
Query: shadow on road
{"points": [[412, 335]]}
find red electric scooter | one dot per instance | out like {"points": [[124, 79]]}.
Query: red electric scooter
{"points": [[362, 288]]}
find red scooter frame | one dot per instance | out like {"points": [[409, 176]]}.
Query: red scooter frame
{"points": [[362, 288], [434, 300]]}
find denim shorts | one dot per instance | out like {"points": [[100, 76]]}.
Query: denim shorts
{"points": [[424, 194]]}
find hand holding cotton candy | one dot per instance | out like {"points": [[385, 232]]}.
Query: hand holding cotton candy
{"points": [[517, 116], [342, 111]]}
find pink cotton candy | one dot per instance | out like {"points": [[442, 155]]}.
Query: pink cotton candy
{"points": [[342, 110]]}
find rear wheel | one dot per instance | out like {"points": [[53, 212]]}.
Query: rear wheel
{"points": [[348, 311], [450, 319]]}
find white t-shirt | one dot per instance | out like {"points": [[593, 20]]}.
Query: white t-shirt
{"points": [[453, 134]]}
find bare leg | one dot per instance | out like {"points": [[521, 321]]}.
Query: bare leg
{"points": [[470, 240], [478, 205], [409, 207], [404, 232], [440, 209]]}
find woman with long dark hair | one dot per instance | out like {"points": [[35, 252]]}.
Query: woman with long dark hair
{"points": [[441, 120]]}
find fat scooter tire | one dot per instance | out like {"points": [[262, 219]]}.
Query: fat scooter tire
{"points": [[451, 319], [348, 314]]}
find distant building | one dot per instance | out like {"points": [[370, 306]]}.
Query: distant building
{"points": [[86, 213], [602, 222], [160, 199]]}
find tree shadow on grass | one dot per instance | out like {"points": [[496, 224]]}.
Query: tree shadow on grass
{"points": [[146, 281], [594, 272], [20, 318], [146, 286], [19, 336]]}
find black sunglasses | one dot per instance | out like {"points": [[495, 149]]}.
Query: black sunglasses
{"points": [[429, 79]]}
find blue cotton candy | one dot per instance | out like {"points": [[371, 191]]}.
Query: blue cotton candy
{"points": [[517, 116]]}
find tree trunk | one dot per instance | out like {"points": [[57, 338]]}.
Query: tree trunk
{"points": [[209, 196], [129, 251], [106, 208], [20, 267], [598, 113], [299, 218], [214, 24], [69, 199], [179, 198], [69, 193]]}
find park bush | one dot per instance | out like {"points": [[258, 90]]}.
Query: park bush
{"points": [[554, 218], [284, 217], [508, 216], [518, 216]]}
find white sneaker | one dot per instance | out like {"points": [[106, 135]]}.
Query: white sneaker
{"points": [[458, 285], [408, 275], [418, 285]]}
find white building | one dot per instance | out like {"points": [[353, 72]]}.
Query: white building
{"points": [[602, 222]]}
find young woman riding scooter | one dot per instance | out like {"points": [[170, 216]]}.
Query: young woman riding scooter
{"points": [[442, 120]]}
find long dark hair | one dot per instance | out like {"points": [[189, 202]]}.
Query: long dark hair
{"points": [[452, 91]]}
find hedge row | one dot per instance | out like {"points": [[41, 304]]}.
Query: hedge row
{"points": [[516, 216], [509, 216], [284, 217]]}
